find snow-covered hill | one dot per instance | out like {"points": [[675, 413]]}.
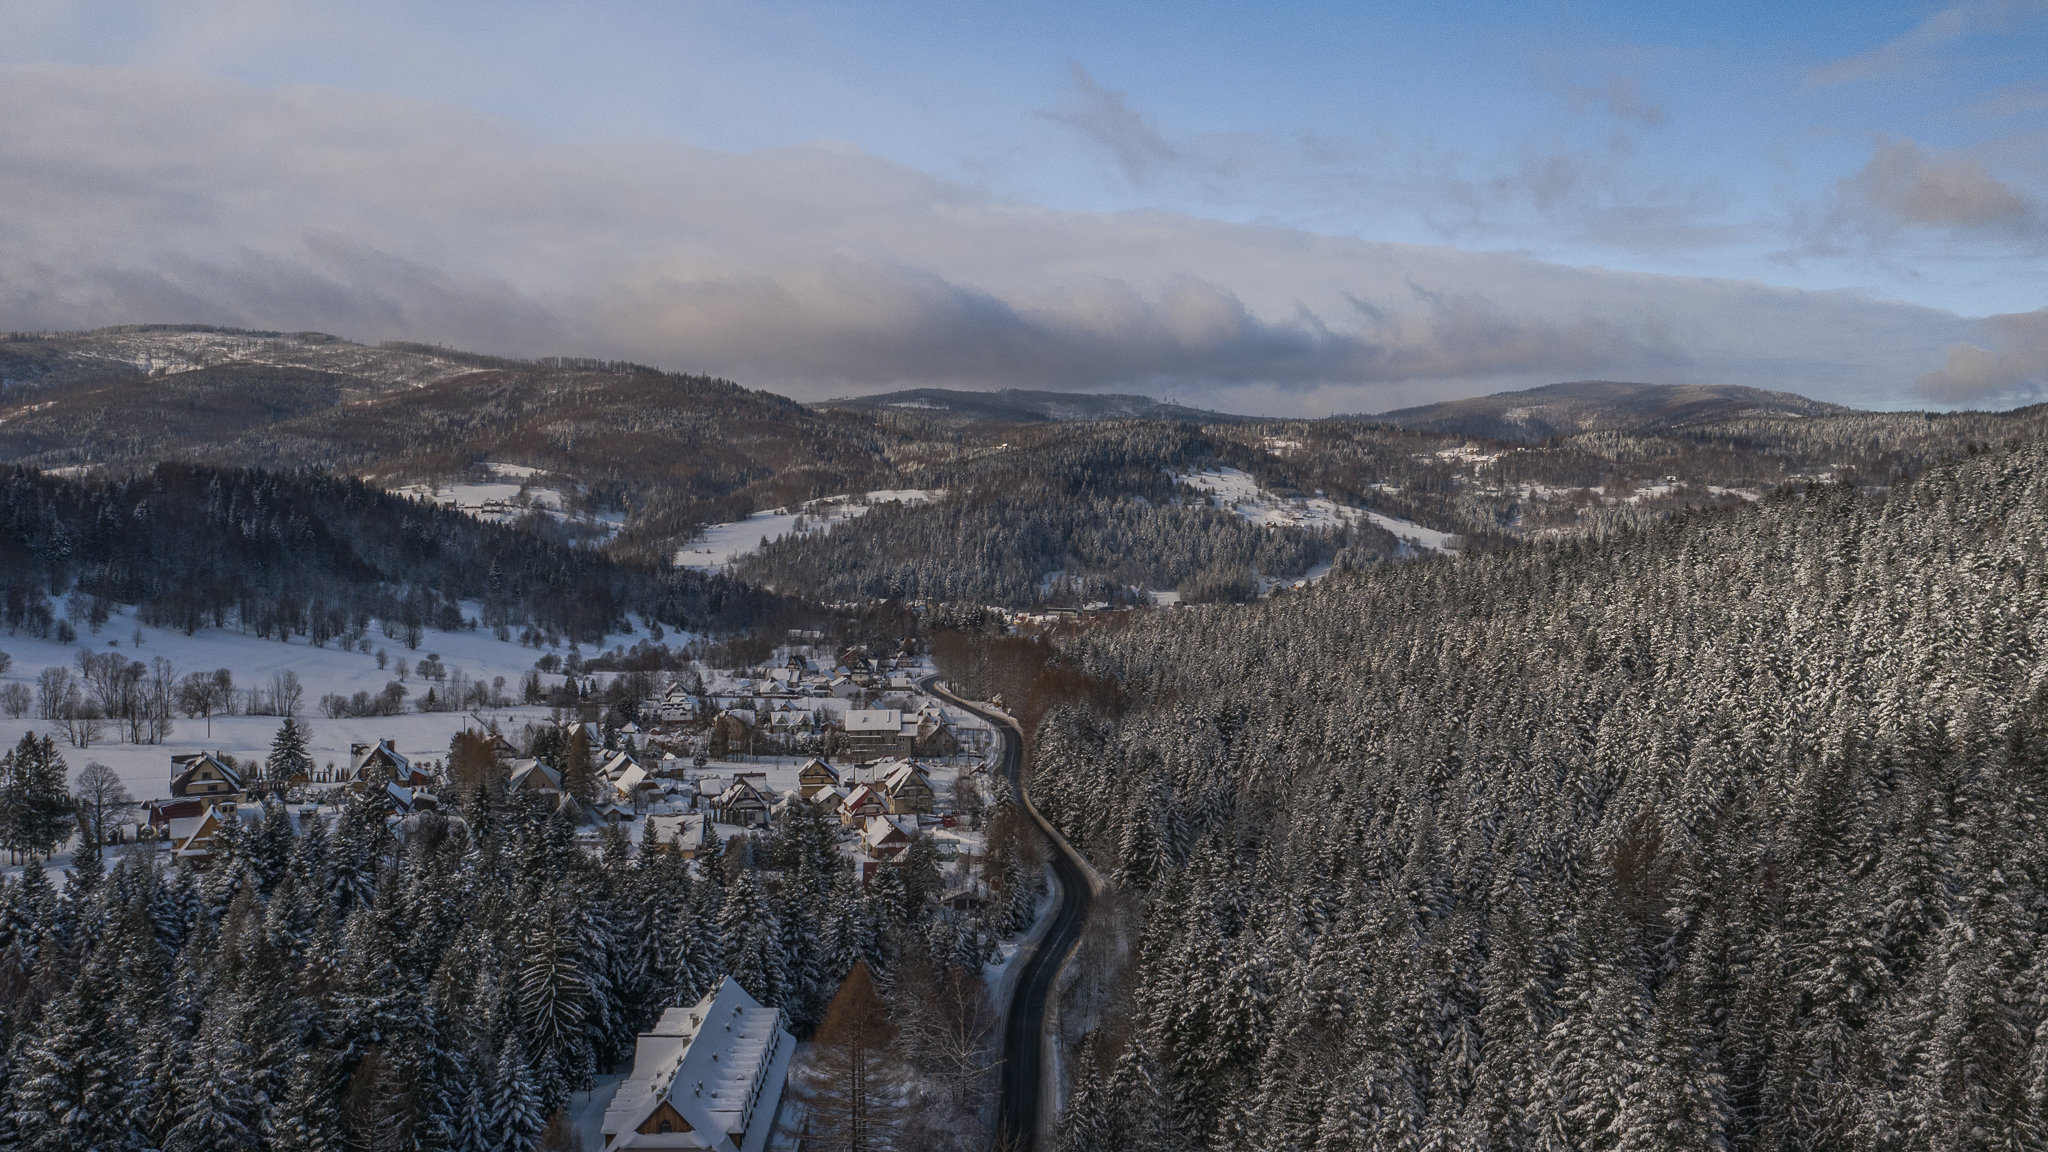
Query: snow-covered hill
{"points": [[721, 544], [1240, 492], [146, 768]]}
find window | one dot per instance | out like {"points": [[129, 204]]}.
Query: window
{"points": [[668, 1125]]}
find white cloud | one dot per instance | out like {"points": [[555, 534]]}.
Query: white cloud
{"points": [[129, 196], [1909, 185], [2013, 369]]}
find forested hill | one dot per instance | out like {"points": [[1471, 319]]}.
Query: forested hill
{"points": [[1727, 833], [311, 554]]}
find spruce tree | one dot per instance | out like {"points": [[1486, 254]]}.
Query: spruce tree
{"points": [[289, 759]]}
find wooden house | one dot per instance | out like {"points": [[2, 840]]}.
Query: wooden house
{"points": [[205, 775]]}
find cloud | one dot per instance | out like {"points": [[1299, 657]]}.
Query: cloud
{"points": [[1913, 50], [131, 196], [1906, 184], [2015, 368], [1105, 119]]}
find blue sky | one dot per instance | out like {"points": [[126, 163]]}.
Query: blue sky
{"points": [[1293, 207]]}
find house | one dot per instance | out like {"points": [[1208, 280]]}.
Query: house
{"points": [[635, 786], [707, 1076], [159, 816], [887, 837], [192, 838], [741, 802], [814, 775], [843, 687], [909, 790], [872, 732], [686, 832], [204, 774], [530, 775], [381, 763], [863, 802]]}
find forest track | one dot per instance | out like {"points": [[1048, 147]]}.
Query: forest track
{"points": [[1022, 1103]]}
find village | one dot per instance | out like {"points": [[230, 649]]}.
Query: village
{"points": [[847, 739], [720, 754]]}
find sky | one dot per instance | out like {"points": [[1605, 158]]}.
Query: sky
{"points": [[1280, 208]]}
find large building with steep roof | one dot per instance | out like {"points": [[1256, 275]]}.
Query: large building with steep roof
{"points": [[707, 1076]]}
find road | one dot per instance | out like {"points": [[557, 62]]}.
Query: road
{"points": [[1018, 1111]]}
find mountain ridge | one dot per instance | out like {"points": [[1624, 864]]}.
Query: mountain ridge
{"points": [[1564, 409]]}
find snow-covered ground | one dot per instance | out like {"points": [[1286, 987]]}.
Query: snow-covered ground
{"points": [[721, 544], [508, 498], [1240, 492], [146, 768]]}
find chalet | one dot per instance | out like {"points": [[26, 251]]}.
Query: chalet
{"points": [[205, 774], [382, 763], [741, 802], [863, 803], [909, 790], [530, 775], [815, 774], [677, 706], [827, 799], [843, 687], [887, 837], [707, 1076]]}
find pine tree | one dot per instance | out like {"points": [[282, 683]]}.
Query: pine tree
{"points": [[515, 1102], [289, 759], [752, 939], [308, 1118], [72, 1086]]}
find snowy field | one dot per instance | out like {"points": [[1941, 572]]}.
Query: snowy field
{"points": [[507, 498], [146, 768], [1238, 491], [721, 544]]}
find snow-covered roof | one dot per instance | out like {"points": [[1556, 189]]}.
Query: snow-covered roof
{"points": [[720, 1064], [888, 720], [903, 774]]}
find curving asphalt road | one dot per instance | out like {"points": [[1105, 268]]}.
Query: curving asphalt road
{"points": [[1018, 1110]]}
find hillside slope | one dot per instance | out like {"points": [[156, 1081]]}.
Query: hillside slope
{"points": [[1721, 834], [1600, 405]]}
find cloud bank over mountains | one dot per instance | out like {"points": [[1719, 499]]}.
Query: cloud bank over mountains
{"points": [[130, 195]]}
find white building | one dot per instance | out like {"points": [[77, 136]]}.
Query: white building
{"points": [[708, 1076]]}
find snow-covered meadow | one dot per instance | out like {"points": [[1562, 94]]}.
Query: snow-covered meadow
{"points": [[146, 768], [1241, 493], [721, 544]]}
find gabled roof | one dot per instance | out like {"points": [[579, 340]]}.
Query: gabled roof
{"points": [[866, 793], [720, 1065], [382, 750], [903, 774], [531, 773], [739, 790], [196, 762]]}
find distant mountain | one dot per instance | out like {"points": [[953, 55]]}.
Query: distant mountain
{"points": [[1536, 414], [1018, 406], [672, 450]]}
